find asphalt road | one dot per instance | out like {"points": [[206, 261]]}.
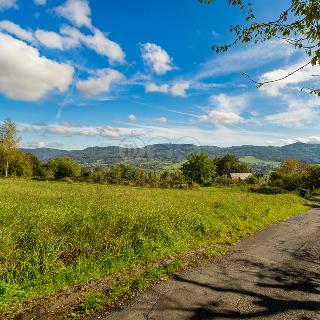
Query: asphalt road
{"points": [[274, 274]]}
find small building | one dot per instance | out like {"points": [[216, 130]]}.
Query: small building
{"points": [[240, 176]]}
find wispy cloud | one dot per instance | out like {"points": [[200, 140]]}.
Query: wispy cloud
{"points": [[16, 30], [177, 88], [8, 4], [243, 60]]}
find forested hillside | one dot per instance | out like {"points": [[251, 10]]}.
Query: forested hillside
{"points": [[179, 152]]}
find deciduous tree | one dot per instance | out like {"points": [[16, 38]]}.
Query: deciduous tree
{"points": [[298, 26], [9, 143]]}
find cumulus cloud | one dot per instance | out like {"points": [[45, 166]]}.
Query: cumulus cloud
{"points": [[77, 12], [132, 118], [156, 58], [97, 42], [53, 40], [7, 4], [99, 83], [220, 117], [40, 2], [25, 75], [16, 30], [227, 109], [109, 132], [178, 88]]}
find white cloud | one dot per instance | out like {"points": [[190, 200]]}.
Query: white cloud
{"points": [[227, 109], [7, 4], [16, 30], [25, 75], [42, 144], [132, 118], [298, 112], [310, 139], [220, 117], [76, 11], [152, 87], [302, 76], [27, 128], [109, 132], [176, 89], [179, 88], [156, 58], [69, 129], [161, 120], [57, 130], [97, 42], [54, 40], [218, 135], [99, 83], [244, 60], [39, 144], [229, 103], [136, 133], [40, 2]]}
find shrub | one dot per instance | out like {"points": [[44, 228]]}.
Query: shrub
{"points": [[64, 167]]}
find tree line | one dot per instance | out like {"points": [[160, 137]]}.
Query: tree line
{"points": [[198, 169]]}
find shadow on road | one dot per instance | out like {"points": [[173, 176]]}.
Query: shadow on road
{"points": [[273, 291]]}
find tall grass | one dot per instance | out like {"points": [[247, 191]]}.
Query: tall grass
{"points": [[55, 235]]}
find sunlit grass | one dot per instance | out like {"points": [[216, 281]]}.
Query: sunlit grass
{"points": [[55, 235]]}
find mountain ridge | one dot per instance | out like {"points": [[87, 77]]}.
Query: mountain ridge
{"points": [[179, 152]]}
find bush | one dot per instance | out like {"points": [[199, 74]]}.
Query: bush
{"points": [[64, 167]]}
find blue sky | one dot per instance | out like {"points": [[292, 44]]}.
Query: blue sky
{"points": [[78, 73]]}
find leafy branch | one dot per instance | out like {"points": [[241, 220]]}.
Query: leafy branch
{"points": [[298, 26]]}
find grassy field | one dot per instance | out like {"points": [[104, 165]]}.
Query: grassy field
{"points": [[56, 235], [254, 160]]}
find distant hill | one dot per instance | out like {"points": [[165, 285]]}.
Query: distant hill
{"points": [[178, 152]]}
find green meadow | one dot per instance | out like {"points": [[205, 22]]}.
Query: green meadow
{"points": [[56, 235], [254, 160]]}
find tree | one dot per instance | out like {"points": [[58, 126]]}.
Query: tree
{"points": [[312, 177], [298, 25], [228, 164], [9, 143], [290, 175], [199, 168], [64, 168], [292, 167], [21, 165], [36, 164]]}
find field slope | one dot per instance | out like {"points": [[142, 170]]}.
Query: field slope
{"points": [[58, 235]]}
